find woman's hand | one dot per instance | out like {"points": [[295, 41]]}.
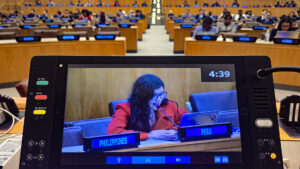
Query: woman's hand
{"points": [[163, 134]]}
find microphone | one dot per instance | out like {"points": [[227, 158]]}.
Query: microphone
{"points": [[164, 102]]}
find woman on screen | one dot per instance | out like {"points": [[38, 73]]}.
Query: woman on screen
{"points": [[145, 111]]}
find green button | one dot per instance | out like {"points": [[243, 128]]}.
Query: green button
{"points": [[42, 82]]}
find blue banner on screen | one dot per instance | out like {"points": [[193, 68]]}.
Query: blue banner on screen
{"points": [[113, 141], [178, 160], [105, 37], [244, 39], [206, 131], [148, 160], [178, 20], [118, 160]]}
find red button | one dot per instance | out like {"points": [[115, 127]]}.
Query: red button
{"points": [[40, 97]]}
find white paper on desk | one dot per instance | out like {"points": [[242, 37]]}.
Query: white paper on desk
{"points": [[8, 41], [8, 149], [49, 40]]}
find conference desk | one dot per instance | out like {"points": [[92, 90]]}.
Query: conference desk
{"points": [[153, 145], [179, 36], [15, 57], [131, 35], [280, 55]]}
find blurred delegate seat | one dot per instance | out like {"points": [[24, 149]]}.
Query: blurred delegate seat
{"points": [[88, 29], [220, 100], [46, 33], [11, 29], [7, 35], [32, 29], [112, 106], [109, 30]]}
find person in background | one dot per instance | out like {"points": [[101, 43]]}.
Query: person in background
{"points": [[248, 15], [298, 15], [139, 14], [205, 4], [135, 4], [120, 13], [89, 3], [45, 14], [144, 4], [239, 16], [51, 3], [263, 15], [117, 4], [268, 18], [185, 4], [103, 19], [71, 3], [131, 13], [225, 12], [59, 15], [187, 14], [206, 27], [77, 14], [235, 4], [79, 4], [216, 4], [171, 14], [99, 4], [86, 15], [227, 25], [293, 16], [285, 24], [201, 14], [38, 3], [196, 4], [145, 111], [31, 14], [286, 4], [292, 4], [277, 5]]}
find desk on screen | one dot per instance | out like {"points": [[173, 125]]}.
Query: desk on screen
{"points": [[15, 57], [280, 55]]}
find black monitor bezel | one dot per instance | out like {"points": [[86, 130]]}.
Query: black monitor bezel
{"points": [[60, 98]]}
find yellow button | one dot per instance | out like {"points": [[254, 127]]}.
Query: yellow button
{"points": [[273, 156], [39, 112]]}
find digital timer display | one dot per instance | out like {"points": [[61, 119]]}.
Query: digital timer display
{"points": [[218, 73]]}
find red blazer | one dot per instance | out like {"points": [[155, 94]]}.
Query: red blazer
{"points": [[122, 114]]}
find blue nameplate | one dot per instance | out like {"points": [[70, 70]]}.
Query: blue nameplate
{"points": [[60, 5], [124, 25], [225, 6], [245, 6], [70, 5], [105, 37], [206, 37], [260, 27], [54, 26], [108, 5], [186, 25], [84, 20], [68, 20], [238, 27], [286, 41], [79, 5], [50, 5], [26, 26], [133, 20], [1, 27], [99, 5], [144, 5], [116, 20], [135, 5], [234, 6], [196, 21], [38, 5], [100, 25], [111, 142], [138, 17], [68, 37], [178, 20], [244, 39], [77, 25], [28, 38], [126, 17], [47, 20], [204, 132], [89, 5], [27, 4], [255, 6], [196, 5], [215, 16]]}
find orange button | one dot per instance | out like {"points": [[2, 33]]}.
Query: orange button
{"points": [[273, 156], [40, 97]]}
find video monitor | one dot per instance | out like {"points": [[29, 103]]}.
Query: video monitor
{"points": [[154, 112]]}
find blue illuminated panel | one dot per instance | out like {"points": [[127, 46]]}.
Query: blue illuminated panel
{"points": [[178, 160], [78, 25], [124, 25], [244, 39], [268, 22], [1, 27], [118, 160], [221, 159], [104, 37], [26, 26], [148, 160], [133, 20], [84, 20], [217, 159], [135, 5], [225, 159], [186, 26], [260, 27], [29, 38], [54, 26], [48, 20], [68, 37], [70, 5], [287, 41], [100, 25], [206, 131], [178, 20], [138, 17], [206, 37], [113, 141]]}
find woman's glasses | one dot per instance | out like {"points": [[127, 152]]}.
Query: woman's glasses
{"points": [[161, 95]]}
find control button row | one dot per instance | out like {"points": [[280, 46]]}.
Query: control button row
{"points": [[263, 123], [261, 142], [40, 97], [262, 156], [41, 143], [39, 112], [39, 157]]}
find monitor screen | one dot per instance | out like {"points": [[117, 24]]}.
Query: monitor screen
{"points": [[171, 108]]}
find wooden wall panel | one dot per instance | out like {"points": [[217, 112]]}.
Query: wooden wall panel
{"points": [[90, 90]]}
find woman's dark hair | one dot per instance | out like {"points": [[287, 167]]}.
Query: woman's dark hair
{"points": [[207, 21], [142, 92], [227, 16], [285, 19]]}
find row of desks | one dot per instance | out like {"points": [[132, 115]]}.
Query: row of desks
{"points": [[15, 57], [280, 55]]}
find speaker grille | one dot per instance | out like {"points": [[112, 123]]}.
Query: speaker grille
{"points": [[261, 99]]}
